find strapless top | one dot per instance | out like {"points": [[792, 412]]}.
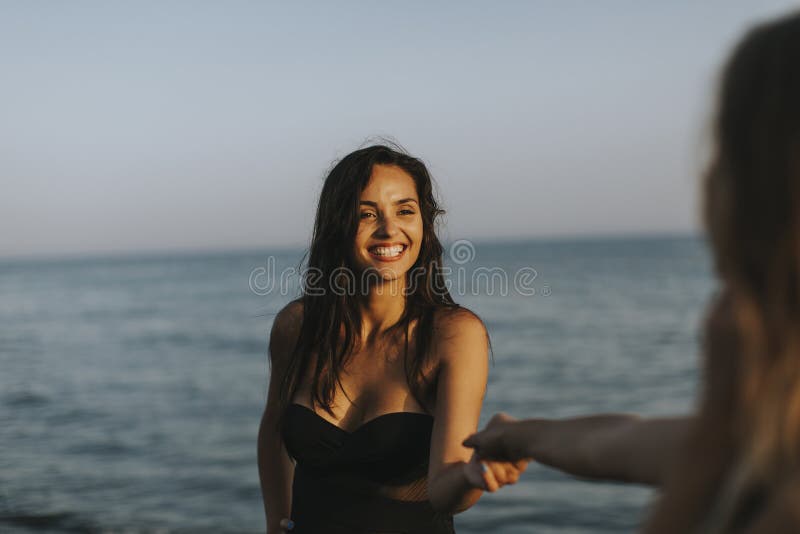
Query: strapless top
{"points": [[371, 479]]}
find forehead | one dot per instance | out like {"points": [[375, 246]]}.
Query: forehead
{"points": [[389, 182]]}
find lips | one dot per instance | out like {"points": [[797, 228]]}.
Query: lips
{"points": [[387, 251]]}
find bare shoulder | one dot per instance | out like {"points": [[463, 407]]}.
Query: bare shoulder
{"points": [[459, 332], [289, 316], [285, 331], [452, 321]]}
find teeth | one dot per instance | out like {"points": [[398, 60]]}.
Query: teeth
{"points": [[387, 251]]}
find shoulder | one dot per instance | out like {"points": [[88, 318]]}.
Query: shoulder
{"points": [[285, 330], [458, 320], [290, 315], [459, 333]]}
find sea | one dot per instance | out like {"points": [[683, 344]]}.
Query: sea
{"points": [[131, 386]]}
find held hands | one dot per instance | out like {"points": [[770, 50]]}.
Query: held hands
{"points": [[501, 441], [491, 467]]}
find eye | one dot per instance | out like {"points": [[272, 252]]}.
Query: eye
{"points": [[366, 214], [406, 211]]}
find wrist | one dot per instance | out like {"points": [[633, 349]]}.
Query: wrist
{"points": [[527, 438], [473, 488], [466, 475]]}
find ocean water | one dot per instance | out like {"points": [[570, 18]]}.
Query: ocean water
{"points": [[131, 387]]}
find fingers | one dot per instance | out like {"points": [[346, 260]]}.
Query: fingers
{"points": [[510, 473], [471, 441], [489, 478], [500, 417], [491, 475], [511, 476], [477, 438], [475, 473], [475, 441], [492, 441], [482, 443], [498, 444], [486, 447], [287, 524], [520, 465], [499, 474]]}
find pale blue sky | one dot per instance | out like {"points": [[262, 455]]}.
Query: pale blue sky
{"points": [[154, 125]]}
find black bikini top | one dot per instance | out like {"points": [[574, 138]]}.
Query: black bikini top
{"points": [[391, 450]]}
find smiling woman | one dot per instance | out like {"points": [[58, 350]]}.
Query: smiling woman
{"points": [[372, 390], [390, 233]]}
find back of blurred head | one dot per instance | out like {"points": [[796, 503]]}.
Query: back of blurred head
{"points": [[753, 216], [746, 443]]}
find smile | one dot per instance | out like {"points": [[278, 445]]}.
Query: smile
{"points": [[387, 252]]}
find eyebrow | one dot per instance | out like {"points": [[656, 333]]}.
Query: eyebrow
{"points": [[396, 202]]}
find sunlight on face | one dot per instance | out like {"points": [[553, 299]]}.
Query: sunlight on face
{"points": [[390, 230]]}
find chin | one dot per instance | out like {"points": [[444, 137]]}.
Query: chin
{"points": [[384, 273], [377, 272]]}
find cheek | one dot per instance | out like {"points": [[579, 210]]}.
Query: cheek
{"points": [[419, 232], [361, 238], [416, 235]]}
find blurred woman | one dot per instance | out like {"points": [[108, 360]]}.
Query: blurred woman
{"points": [[735, 465], [377, 375]]}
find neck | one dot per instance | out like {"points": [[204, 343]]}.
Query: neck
{"points": [[382, 307]]}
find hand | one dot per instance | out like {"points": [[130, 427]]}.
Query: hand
{"points": [[287, 525], [499, 441], [491, 475], [492, 471]]}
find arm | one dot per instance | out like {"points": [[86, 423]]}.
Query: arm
{"points": [[455, 477], [620, 447], [275, 467], [461, 385]]}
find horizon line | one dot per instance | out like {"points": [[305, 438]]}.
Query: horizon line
{"points": [[294, 248]]}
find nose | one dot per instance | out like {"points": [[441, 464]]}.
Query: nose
{"points": [[387, 227]]}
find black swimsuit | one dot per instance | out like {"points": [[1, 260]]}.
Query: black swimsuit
{"points": [[368, 481]]}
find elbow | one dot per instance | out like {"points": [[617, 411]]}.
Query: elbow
{"points": [[438, 501], [467, 503], [447, 506], [437, 504]]}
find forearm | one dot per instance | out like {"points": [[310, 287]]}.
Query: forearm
{"points": [[276, 472], [570, 445], [618, 447], [450, 492]]}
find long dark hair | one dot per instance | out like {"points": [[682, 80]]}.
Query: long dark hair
{"points": [[753, 214], [746, 441], [331, 326]]}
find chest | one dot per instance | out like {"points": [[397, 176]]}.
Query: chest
{"points": [[371, 384]]}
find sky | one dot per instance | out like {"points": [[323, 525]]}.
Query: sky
{"points": [[192, 125]]}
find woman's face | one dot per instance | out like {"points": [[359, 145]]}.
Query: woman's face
{"points": [[390, 232]]}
